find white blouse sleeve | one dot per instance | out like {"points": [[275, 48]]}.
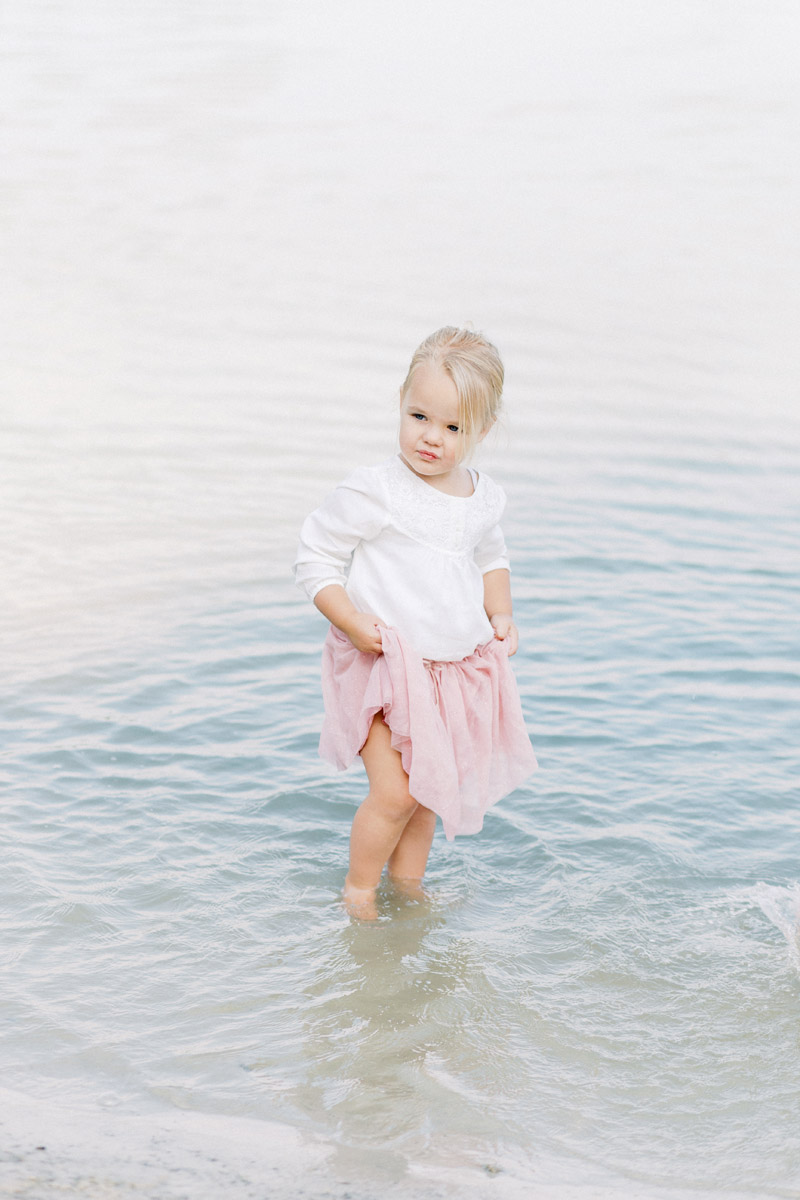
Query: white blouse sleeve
{"points": [[352, 513], [491, 552]]}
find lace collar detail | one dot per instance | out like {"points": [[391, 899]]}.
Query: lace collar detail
{"points": [[454, 524]]}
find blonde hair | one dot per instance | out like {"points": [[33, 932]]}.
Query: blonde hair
{"points": [[476, 369]]}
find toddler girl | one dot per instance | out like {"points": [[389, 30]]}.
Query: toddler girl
{"points": [[408, 563]]}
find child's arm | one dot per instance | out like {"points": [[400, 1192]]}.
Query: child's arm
{"points": [[497, 602], [355, 511], [363, 629]]}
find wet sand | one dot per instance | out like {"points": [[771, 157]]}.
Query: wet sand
{"points": [[50, 1151]]}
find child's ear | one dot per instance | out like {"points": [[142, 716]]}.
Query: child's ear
{"points": [[484, 431]]}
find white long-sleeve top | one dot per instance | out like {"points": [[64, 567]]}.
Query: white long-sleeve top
{"points": [[409, 553]]}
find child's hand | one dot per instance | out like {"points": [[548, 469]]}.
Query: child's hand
{"points": [[364, 631], [506, 631]]}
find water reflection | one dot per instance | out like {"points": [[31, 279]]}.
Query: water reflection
{"points": [[392, 1033]]}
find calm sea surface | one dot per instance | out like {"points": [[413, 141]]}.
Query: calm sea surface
{"points": [[226, 226]]}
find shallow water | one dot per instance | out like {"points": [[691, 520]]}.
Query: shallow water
{"points": [[228, 228]]}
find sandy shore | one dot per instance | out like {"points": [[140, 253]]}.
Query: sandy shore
{"points": [[48, 1152]]}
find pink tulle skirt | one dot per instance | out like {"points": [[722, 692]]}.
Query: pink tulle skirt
{"points": [[457, 725]]}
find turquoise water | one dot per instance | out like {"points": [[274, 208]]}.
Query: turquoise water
{"points": [[230, 230]]}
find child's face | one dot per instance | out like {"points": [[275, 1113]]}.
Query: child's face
{"points": [[429, 429]]}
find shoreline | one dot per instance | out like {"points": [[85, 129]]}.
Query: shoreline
{"points": [[50, 1151]]}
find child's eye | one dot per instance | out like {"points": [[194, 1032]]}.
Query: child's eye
{"points": [[418, 416], [453, 428]]}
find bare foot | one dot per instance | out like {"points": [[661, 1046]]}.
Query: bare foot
{"points": [[412, 888], [360, 902]]}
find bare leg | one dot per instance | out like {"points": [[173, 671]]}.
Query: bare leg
{"points": [[410, 857], [380, 821]]}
